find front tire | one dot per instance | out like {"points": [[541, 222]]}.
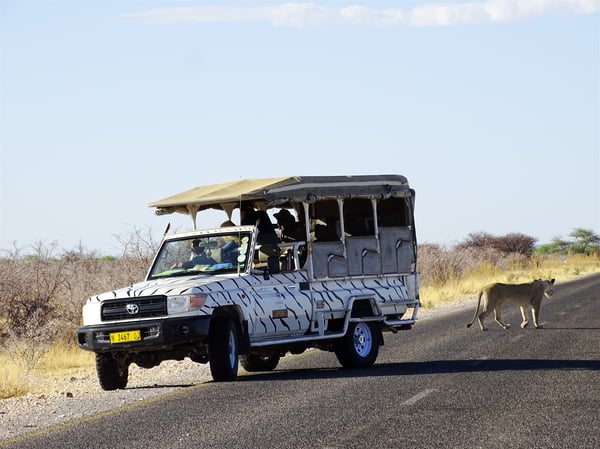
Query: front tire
{"points": [[360, 346], [112, 372], [257, 362], [223, 349]]}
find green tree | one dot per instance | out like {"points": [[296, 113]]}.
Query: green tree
{"points": [[560, 246], [586, 241]]}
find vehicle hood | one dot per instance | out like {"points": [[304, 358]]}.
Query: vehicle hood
{"points": [[171, 287]]}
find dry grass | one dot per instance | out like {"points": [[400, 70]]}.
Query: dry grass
{"points": [[12, 381], [63, 358], [59, 361]]}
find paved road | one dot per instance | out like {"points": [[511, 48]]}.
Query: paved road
{"points": [[439, 385]]}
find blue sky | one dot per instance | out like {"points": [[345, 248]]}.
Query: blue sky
{"points": [[490, 108]]}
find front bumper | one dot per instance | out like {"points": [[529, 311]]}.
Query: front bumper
{"points": [[155, 334]]}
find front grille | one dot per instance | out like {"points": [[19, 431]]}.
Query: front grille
{"points": [[131, 308]]}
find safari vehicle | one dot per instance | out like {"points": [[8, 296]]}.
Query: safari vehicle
{"points": [[348, 276]]}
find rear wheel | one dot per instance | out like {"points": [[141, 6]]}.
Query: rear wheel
{"points": [[223, 349], [257, 362], [112, 372], [360, 346]]}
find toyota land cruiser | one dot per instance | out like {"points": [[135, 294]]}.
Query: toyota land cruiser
{"points": [[348, 276]]}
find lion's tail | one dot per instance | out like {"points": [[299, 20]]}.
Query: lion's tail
{"points": [[477, 309]]}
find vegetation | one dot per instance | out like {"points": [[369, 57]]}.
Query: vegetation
{"points": [[583, 241], [42, 291], [41, 294]]}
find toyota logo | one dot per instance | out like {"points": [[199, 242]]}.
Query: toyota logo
{"points": [[132, 309]]}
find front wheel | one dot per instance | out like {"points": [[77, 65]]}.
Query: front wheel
{"points": [[223, 349], [360, 346], [112, 372]]}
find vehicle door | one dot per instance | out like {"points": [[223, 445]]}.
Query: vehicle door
{"points": [[280, 307]]}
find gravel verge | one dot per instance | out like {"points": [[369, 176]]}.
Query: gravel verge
{"points": [[78, 396]]}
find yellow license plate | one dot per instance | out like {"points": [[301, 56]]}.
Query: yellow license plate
{"points": [[125, 337]]}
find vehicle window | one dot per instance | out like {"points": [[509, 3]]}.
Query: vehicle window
{"points": [[325, 218], [202, 254], [358, 217], [393, 212]]}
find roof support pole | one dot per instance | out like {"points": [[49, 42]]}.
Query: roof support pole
{"points": [[306, 207], [376, 224], [340, 202], [193, 211]]}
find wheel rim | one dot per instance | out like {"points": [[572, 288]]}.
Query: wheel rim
{"points": [[232, 348], [363, 339]]}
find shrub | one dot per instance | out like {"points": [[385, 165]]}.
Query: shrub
{"points": [[42, 292], [513, 243], [439, 265]]}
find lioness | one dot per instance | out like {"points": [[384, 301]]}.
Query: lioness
{"points": [[496, 295]]}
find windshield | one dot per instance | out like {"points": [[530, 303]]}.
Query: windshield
{"points": [[210, 253]]}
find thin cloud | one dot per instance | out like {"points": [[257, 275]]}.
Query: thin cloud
{"points": [[306, 15]]}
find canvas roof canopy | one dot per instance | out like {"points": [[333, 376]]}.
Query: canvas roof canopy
{"points": [[270, 192]]}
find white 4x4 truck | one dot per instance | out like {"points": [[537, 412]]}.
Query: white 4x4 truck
{"points": [[348, 275]]}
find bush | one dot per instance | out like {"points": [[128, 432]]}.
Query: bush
{"points": [[513, 243], [42, 292], [439, 265]]}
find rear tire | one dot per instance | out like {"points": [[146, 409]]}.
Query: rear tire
{"points": [[112, 373], [223, 349], [257, 362], [360, 346]]}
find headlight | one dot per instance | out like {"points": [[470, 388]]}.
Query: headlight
{"points": [[184, 303], [91, 313], [177, 304]]}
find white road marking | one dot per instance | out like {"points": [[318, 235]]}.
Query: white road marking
{"points": [[417, 397]]}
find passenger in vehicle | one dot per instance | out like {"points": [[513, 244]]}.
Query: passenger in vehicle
{"points": [[260, 219], [291, 230]]}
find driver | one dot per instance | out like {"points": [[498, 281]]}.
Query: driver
{"points": [[199, 257]]}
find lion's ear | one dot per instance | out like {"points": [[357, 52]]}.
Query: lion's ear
{"points": [[552, 280]]}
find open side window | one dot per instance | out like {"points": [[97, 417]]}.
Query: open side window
{"points": [[325, 221], [362, 247], [359, 217], [328, 251], [396, 235], [393, 212]]}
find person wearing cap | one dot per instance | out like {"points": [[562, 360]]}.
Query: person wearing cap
{"points": [[260, 219]]}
